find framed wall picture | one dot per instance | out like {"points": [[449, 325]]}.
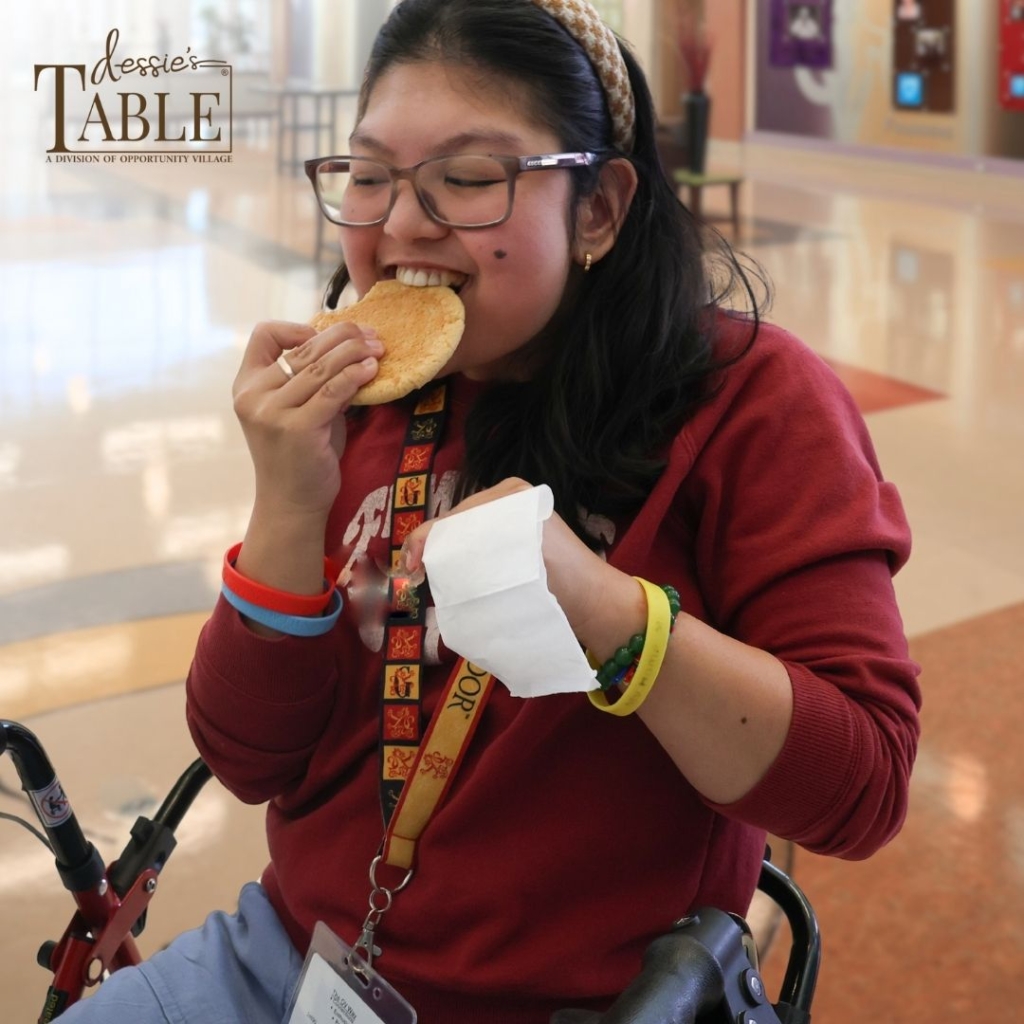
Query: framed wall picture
{"points": [[801, 34], [924, 55], [1011, 54]]}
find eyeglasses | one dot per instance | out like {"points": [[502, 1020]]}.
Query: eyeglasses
{"points": [[467, 191]]}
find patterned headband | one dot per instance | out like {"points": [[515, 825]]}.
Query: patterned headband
{"points": [[584, 24]]}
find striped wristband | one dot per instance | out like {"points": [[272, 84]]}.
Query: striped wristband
{"points": [[281, 601], [292, 625]]}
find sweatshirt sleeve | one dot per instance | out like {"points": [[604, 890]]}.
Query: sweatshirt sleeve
{"points": [[797, 540], [256, 707]]}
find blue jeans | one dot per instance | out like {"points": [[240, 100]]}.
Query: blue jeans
{"points": [[236, 968]]}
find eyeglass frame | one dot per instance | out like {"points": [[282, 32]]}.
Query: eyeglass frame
{"points": [[514, 166]]}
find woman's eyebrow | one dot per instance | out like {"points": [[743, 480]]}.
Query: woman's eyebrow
{"points": [[486, 137], [367, 141]]}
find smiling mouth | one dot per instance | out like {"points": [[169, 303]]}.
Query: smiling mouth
{"points": [[419, 278]]}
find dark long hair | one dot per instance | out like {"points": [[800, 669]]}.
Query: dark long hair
{"points": [[635, 355]]}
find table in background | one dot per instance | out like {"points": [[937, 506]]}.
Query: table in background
{"points": [[696, 183], [323, 123]]}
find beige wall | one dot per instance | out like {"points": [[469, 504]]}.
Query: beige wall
{"points": [[335, 42], [862, 103], [727, 27], [647, 25], [852, 102], [279, 40], [640, 29]]}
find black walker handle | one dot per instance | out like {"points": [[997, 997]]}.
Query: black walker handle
{"points": [[78, 862]]}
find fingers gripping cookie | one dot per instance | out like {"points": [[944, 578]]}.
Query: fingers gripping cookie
{"points": [[420, 329]]}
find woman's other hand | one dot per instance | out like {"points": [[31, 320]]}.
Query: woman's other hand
{"points": [[602, 604]]}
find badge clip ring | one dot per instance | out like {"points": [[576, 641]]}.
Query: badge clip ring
{"points": [[380, 901]]}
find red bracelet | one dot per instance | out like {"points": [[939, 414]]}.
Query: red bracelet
{"points": [[279, 600]]}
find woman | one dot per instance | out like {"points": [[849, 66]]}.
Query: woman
{"points": [[684, 445]]}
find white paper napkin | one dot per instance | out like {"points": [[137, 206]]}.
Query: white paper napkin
{"points": [[490, 591]]}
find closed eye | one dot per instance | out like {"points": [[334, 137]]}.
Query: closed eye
{"points": [[472, 182]]}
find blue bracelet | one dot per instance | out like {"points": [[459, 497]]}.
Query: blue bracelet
{"points": [[293, 625]]}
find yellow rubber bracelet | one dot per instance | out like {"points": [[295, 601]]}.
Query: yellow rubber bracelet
{"points": [[659, 626]]}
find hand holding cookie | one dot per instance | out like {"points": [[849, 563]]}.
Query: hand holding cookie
{"points": [[296, 382], [420, 329], [294, 425]]}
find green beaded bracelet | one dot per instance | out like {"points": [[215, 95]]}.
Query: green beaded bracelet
{"points": [[618, 665]]}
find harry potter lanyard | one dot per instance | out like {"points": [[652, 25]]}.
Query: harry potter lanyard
{"points": [[415, 771]]}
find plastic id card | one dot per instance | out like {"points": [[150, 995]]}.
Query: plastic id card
{"points": [[337, 987]]}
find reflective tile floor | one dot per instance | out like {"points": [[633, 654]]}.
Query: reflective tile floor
{"points": [[126, 295]]}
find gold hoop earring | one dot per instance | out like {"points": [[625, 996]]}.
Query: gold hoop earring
{"points": [[588, 263]]}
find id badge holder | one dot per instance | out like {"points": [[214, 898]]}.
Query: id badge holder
{"points": [[337, 986]]}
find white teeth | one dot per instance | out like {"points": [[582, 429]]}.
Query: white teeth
{"points": [[428, 278]]}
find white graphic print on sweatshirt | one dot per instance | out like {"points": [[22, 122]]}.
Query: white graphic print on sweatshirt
{"points": [[372, 520]]}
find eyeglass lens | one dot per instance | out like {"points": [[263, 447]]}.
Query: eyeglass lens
{"points": [[461, 190]]}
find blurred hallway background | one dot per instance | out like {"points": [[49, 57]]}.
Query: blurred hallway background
{"points": [[127, 294]]}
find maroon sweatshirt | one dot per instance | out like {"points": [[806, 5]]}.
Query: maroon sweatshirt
{"points": [[569, 839]]}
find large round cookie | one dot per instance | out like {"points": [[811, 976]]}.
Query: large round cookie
{"points": [[420, 329]]}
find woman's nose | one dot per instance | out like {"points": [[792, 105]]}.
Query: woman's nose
{"points": [[408, 218]]}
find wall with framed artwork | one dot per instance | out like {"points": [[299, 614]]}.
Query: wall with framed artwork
{"points": [[943, 77]]}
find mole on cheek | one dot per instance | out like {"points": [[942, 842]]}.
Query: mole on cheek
{"points": [[500, 254]]}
